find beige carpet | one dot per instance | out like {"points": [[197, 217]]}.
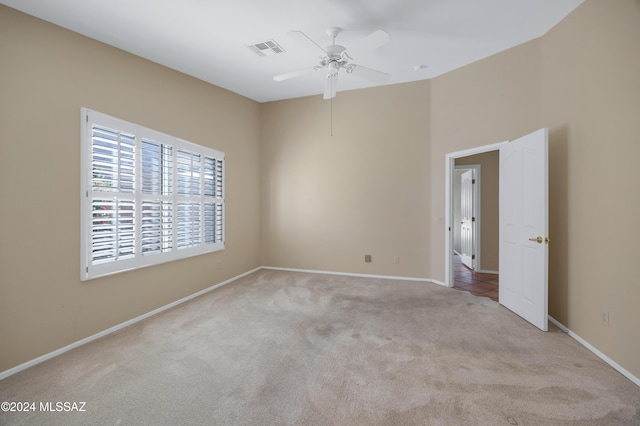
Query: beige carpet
{"points": [[285, 348]]}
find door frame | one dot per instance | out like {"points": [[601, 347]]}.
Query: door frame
{"points": [[449, 175], [475, 226]]}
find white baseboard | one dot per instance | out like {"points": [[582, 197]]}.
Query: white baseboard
{"points": [[599, 354], [45, 357], [385, 277], [484, 271], [438, 282]]}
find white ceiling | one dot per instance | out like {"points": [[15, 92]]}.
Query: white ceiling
{"points": [[208, 39]]}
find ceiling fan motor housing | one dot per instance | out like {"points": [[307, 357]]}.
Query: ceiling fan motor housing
{"points": [[337, 55], [335, 50]]}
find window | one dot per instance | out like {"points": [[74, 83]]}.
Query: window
{"points": [[147, 197]]}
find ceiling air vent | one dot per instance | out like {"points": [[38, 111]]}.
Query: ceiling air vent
{"points": [[267, 48]]}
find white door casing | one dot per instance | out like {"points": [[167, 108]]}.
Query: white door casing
{"points": [[466, 218], [524, 228]]}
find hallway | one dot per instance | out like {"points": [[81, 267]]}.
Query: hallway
{"points": [[476, 283]]}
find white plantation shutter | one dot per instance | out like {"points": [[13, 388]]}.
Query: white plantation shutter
{"points": [[112, 230], [156, 206], [189, 170], [189, 195], [112, 172], [157, 227], [147, 197], [188, 224], [213, 194], [113, 160], [157, 168]]}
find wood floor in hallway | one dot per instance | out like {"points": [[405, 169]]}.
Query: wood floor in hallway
{"points": [[476, 283]]}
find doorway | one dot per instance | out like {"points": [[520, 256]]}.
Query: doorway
{"points": [[475, 224], [523, 223], [484, 275]]}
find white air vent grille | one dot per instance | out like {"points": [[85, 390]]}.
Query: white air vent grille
{"points": [[266, 48]]}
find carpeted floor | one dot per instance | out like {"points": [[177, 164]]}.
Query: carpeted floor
{"points": [[287, 348]]}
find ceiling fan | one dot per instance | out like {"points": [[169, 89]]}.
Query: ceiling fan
{"points": [[334, 57]]}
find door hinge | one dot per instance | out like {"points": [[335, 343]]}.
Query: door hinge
{"points": [[473, 181], [473, 257], [473, 219]]}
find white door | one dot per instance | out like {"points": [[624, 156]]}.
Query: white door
{"points": [[466, 218], [524, 227]]}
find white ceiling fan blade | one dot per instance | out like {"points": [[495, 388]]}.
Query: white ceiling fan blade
{"points": [[371, 42], [292, 74], [369, 74], [330, 86], [303, 39]]}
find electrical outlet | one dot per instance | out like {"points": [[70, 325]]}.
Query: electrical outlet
{"points": [[218, 265], [396, 259], [367, 258], [604, 318]]}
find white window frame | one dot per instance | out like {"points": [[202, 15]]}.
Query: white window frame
{"points": [[91, 268]]}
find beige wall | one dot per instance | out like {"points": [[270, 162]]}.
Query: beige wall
{"points": [[330, 199], [47, 75], [489, 196], [375, 187], [591, 104]]}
